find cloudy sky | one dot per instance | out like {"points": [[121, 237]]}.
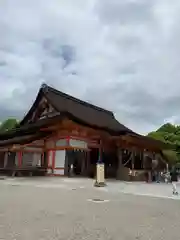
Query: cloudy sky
{"points": [[119, 54]]}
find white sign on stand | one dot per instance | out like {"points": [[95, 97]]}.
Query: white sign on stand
{"points": [[100, 180], [100, 173]]}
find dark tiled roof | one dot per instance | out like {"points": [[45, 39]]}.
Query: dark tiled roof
{"points": [[31, 128], [22, 139], [73, 108], [83, 111]]}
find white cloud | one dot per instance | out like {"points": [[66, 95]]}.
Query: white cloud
{"points": [[120, 54]]}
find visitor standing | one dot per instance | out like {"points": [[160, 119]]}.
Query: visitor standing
{"points": [[174, 179]]}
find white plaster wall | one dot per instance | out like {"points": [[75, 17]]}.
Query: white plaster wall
{"points": [[60, 158]]}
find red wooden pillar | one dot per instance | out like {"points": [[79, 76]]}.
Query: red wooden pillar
{"points": [[48, 157], [19, 159]]}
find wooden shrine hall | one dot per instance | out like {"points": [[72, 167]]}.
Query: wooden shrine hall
{"points": [[62, 135]]}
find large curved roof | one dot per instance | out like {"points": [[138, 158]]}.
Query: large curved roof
{"points": [[78, 110]]}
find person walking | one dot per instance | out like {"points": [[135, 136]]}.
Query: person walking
{"points": [[174, 179]]}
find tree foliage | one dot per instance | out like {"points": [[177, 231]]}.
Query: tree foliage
{"points": [[8, 125], [171, 156], [169, 133]]}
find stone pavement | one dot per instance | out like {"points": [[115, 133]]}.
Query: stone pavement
{"points": [[62, 208], [160, 190]]}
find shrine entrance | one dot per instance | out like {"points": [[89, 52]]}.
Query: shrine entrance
{"points": [[93, 159], [76, 163], [110, 160]]}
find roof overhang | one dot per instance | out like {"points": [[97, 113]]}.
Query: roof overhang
{"points": [[142, 142], [31, 128]]}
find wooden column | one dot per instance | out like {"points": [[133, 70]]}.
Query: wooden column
{"points": [[66, 166], [88, 164], [120, 165], [100, 153], [133, 159], [19, 156], [42, 159], [5, 159], [53, 159], [120, 155], [83, 163], [142, 159]]}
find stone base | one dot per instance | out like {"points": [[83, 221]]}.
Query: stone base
{"points": [[99, 184]]}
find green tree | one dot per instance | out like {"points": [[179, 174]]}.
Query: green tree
{"points": [[171, 156], [8, 124], [169, 133], [157, 135], [167, 127]]}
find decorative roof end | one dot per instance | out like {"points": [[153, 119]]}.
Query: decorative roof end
{"points": [[44, 87]]}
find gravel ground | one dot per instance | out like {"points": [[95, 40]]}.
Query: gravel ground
{"points": [[49, 208]]}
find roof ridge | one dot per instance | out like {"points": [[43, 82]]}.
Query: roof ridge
{"points": [[46, 88]]}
